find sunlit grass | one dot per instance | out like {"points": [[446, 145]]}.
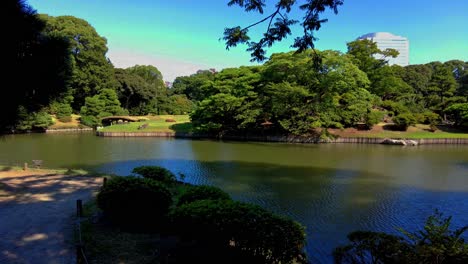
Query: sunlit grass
{"points": [[74, 123], [419, 131], [155, 124]]}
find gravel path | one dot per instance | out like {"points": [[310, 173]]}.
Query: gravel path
{"points": [[37, 212]]}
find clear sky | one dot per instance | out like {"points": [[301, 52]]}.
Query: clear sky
{"points": [[181, 36]]}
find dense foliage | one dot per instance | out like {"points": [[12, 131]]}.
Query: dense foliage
{"points": [[155, 173], [289, 95], [58, 65], [202, 192], [224, 226], [279, 28], [38, 66], [68, 72], [435, 243], [219, 229], [134, 202]]}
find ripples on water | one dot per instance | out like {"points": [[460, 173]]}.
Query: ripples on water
{"points": [[331, 189]]}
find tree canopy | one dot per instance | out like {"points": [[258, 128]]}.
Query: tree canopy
{"points": [[279, 24], [37, 64], [92, 71]]}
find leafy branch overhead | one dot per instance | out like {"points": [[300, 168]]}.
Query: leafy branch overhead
{"points": [[279, 25]]}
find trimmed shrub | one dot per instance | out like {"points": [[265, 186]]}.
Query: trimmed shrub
{"points": [[90, 121], [403, 121], [202, 192], [170, 120], [155, 173], [394, 108], [135, 203], [64, 112], [228, 226], [373, 118]]}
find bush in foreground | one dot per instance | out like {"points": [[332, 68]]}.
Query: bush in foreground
{"points": [[203, 192], [226, 227], [436, 243], [155, 173], [403, 121], [134, 202]]}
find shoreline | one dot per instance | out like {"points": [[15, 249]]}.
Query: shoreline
{"points": [[292, 139], [65, 130]]}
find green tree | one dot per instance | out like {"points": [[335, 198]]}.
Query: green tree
{"points": [[368, 57], [38, 64], [290, 107], [217, 114], [111, 102], [196, 86], [101, 105], [404, 120], [458, 113], [388, 84], [156, 86], [419, 77], [32, 120], [92, 71], [134, 93], [279, 25], [179, 105], [61, 108], [441, 87]]}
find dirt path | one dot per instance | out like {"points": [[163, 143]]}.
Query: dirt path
{"points": [[37, 212]]}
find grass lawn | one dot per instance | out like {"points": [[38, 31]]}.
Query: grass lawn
{"points": [[6, 168], [414, 132], [155, 124], [74, 123]]}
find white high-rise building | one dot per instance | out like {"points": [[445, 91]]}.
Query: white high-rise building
{"points": [[387, 40]]}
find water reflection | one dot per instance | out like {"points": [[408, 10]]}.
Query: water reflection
{"points": [[332, 189]]}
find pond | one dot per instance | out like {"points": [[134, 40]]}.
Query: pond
{"points": [[332, 189]]}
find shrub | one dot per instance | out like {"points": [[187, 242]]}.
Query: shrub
{"points": [[42, 120], [382, 247], [394, 108], [170, 120], [403, 121], [429, 118], [64, 112], [373, 118], [135, 203], [230, 226], [435, 243], [202, 192], [90, 121], [155, 173]]}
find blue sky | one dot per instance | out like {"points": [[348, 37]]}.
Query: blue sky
{"points": [[181, 36]]}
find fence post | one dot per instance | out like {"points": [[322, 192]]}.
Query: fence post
{"points": [[79, 208], [25, 166], [79, 256], [104, 181]]}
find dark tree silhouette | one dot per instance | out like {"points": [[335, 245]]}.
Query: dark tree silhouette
{"points": [[279, 25], [36, 65]]}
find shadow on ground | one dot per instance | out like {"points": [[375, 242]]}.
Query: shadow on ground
{"points": [[36, 216]]}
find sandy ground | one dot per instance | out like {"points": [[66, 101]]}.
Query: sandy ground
{"points": [[37, 215]]}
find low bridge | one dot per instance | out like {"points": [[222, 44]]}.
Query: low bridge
{"points": [[108, 120]]}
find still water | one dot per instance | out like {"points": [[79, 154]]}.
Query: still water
{"points": [[332, 189]]}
